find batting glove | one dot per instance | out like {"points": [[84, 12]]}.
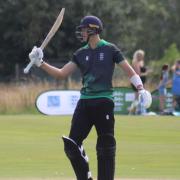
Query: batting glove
{"points": [[145, 98], [36, 56]]}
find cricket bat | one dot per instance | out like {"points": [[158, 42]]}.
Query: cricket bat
{"points": [[49, 36]]}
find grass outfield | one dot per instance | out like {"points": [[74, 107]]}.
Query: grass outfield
{"points": [[147, 147]]}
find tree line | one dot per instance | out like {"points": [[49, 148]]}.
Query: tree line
{"points": [[150, 25]]}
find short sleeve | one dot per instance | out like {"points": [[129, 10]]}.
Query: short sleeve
{"points": [[117, 55], [74, 59]]}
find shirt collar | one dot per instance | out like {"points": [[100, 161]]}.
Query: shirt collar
{"points": [[99, 44]]}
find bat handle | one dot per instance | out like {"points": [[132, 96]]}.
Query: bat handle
{"points": [[43, 45], [28, 67]]}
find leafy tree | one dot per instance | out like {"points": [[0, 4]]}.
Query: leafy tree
{"points": [[147, 24]]}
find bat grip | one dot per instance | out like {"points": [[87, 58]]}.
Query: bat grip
{"points": [[28, 67]]}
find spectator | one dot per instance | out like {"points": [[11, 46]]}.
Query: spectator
{"points": [[139, 67], [176, 85], [162, 87]]}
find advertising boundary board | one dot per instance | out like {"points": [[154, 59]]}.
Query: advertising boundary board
{"points": [[57, 102], [63, 102]]}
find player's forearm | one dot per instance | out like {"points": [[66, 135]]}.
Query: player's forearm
{"points": [[127, 68], [53, 71], [133, 76], [136, 68]]}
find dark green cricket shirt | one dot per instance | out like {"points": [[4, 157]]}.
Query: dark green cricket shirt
{"points": [[97, 67]]}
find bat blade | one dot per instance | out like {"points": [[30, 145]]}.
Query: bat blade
{"points": [[49, 36], [54, 29]]}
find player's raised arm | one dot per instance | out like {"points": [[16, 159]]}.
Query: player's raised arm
{"points": [[62, 73], [36, 58]]}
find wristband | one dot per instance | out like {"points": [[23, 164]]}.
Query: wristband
{"points": [[136, 81]]}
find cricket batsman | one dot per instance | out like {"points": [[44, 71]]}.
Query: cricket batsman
{"points": [[96, 61]]}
